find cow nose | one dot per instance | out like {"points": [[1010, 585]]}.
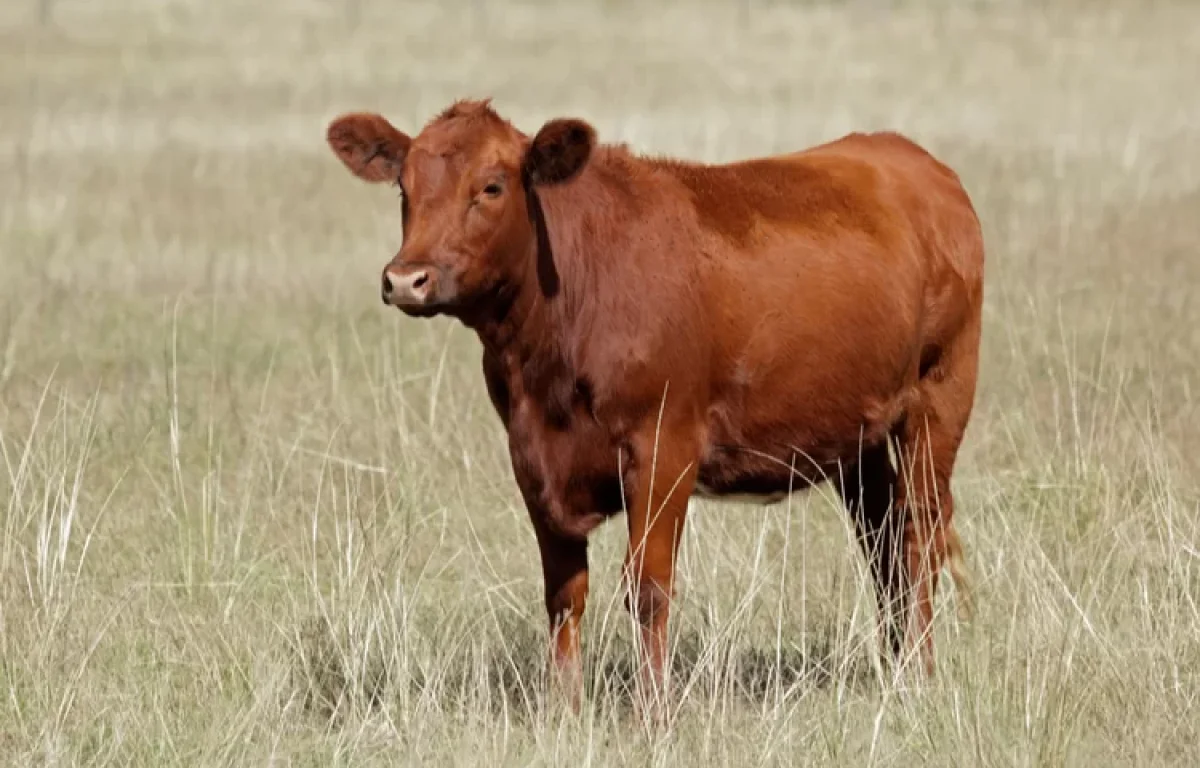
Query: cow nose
{"points": [[402, 288]]}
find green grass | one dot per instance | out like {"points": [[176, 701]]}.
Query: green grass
{"points": [[251, 517]]}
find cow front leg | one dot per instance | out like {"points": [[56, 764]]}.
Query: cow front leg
{"points": [[565, 574], [664, 480]]}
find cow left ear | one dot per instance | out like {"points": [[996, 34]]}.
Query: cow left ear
{"points": [[369, 146], [559, 151]]}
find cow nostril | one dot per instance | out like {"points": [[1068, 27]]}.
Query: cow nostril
{"points": [[387, 285], [420, 280]]}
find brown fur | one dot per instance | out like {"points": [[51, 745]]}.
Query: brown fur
{"points": [[654, 329]]}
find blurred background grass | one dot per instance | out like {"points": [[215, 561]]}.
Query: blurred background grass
{"points": [[250, 517]]}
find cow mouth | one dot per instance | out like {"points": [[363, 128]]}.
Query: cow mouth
{"points": [[430, 309]]}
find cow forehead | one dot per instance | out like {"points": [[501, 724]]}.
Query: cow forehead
{"points": [[432, 165], [427, 172]]}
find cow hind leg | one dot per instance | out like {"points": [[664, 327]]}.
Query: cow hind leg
{"points": [[903, 511], [928, 440], [866, 487]]}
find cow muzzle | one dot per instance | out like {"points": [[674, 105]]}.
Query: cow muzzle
{"points": [[409, 287]]}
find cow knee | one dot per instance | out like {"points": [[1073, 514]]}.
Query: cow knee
{"points": [[567, 599], [647, 600]]}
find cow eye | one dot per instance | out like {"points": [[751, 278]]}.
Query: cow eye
{"points": [[493, 190]]}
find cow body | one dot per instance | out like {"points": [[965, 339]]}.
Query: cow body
{"points": [[794, 338], [655, 329]]}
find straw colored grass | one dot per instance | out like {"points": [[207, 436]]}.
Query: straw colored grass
{"points": [[251, 517]]}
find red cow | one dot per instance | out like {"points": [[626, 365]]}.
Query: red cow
{"points": [[654, 329]]}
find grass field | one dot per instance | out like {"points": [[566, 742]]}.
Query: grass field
{"points": [[252, 517]]}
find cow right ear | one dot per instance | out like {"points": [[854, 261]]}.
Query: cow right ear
{"points": [[369, 146], [559, 151]]}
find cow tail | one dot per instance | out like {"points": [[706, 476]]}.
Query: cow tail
{"points": [[959, 573]]}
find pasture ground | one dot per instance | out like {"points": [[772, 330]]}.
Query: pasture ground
{"points": [[252, 517]]}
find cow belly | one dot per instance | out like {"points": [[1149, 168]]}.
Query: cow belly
{"points": [[766, 459], [748, 475], [705, 492]]}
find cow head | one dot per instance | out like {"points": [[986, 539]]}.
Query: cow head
{"points": [[465, 184]]}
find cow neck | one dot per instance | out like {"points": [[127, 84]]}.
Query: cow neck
{"points": [[532, 328]]}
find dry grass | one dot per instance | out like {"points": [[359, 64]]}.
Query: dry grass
{"points": [[250, 517]]}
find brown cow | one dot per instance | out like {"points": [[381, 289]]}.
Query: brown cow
{"points": [[654, 329]]}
